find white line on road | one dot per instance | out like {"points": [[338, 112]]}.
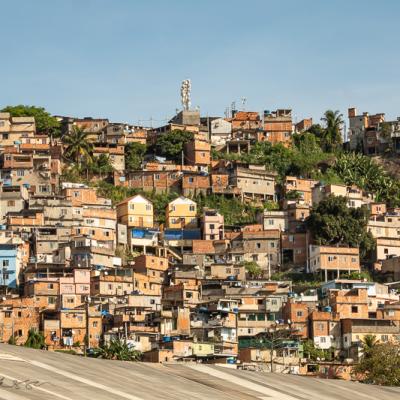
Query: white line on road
{"points": [[38, 388], [272, 394], [83, 380], [6, 395]]}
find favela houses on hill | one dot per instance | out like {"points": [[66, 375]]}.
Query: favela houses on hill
{"points": [[248, 239]]}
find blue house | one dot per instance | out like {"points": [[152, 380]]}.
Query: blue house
{"points": [[10, 264]]}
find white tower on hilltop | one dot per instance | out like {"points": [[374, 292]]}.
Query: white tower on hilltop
{"points": [[186, 88]]}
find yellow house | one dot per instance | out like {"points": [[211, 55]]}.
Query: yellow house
{"points": [[136, 211], [181, 213], [203, 349]]}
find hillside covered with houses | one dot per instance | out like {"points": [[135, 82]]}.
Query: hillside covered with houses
{"points": [[250, 239]]}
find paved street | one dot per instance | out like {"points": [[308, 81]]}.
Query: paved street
{"points": [[34, 374]]}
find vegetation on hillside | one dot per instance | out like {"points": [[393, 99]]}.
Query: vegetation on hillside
{"points": [[118, 350], [171, 144], [235, 212], [45, 123], [364, 172], [331, 222], [380, 363], [134, 153]]}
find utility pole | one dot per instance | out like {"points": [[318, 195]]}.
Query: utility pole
{"points": [[87, 336]]}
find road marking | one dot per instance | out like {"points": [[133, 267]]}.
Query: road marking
{"points": [[270, 393], [37, 387], [9, 357], [84, 380], [6, 395]]}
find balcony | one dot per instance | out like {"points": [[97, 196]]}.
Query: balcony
{"points": [[15, 161]]}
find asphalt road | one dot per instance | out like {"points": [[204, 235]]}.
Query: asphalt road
{"points": [[41, 375]]}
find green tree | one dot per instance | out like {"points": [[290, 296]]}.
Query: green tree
{"points": [[293, 195], [78, 147], [333, 223], [380, 364], [314, 353], [253, 269], [45, 123], [332, 136], [99, 164], [368, 343], [134, 153], [170, 144], [35, 339], [317, 130], [354, 168], [118, 350]]}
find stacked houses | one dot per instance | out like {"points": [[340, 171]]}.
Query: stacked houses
{"points": [[84, 270]]}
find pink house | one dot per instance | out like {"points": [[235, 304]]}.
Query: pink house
{"points": [[213, 225]]}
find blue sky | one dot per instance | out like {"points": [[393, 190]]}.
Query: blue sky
{"points": [[125, 59]]}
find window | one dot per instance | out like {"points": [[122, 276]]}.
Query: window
{"points": [[11, 203], [191, 180], [64, 211], [354, 309], [107, 233], [192, 207], [228, 270], [152, 301], [44, 189], [189, 295], [6, 263], [20, 172], [19, 332], [322, 339], [299, 313], [386, 251], [50, 286], [148, 207], [131, 206], [5, 136], [259, 301], [157, 176], [353, 259], [384, 338], [270, 222], [51, 300], [95, 324], [19, 314], [254, 257], [272, 244], [331, 258], [212, 226], [258, 245], [274, 302]]}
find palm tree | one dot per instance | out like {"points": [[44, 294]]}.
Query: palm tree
{"points": [[118, 350], [77, 145], [368, 343], [332, 137]]}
